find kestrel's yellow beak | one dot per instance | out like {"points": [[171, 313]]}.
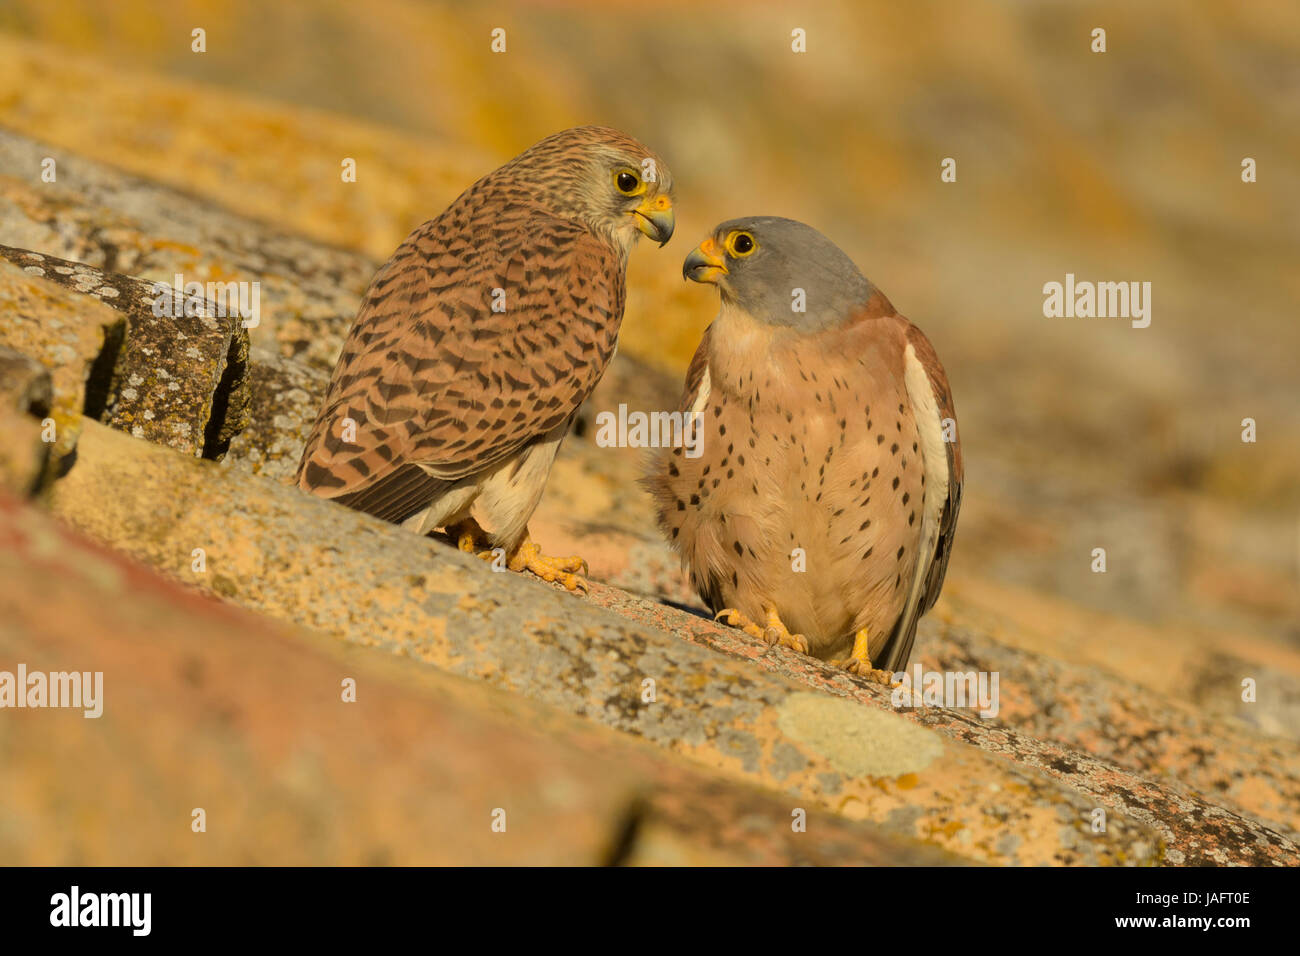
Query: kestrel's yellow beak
{"points": [[705, 263], [654, 217]]}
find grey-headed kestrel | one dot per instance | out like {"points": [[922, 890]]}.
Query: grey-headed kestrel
{"points": [[824, 498], [479, 339]]}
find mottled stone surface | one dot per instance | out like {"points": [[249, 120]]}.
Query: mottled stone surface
{"points": [[1201, 665], [283, 398], [39, 435], [24, 383], [285, 554], [111, 220], [1218, 758], [26, 459], [178, 379], [62, 330], [26, 397], [204, 706], [1194, 827]]}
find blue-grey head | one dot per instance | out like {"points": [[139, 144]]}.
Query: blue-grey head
{"points": [[781, 272]]}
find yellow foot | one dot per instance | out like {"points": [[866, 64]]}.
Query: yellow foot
{"points": [[859, 662], [774, 633], [568, 571], [470, 537]]}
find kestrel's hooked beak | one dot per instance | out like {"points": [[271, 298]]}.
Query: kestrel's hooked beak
{"points": [[705, 264], [654, 217]]}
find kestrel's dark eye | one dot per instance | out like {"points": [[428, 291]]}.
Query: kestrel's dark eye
{"points": [[741, 244], [626, 182]]}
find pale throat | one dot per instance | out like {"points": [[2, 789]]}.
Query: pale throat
{"points": [[624, 237], [746, 354]]}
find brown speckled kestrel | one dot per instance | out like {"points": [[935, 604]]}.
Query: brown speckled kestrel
{"points": [[824, 498], [479, 339]]}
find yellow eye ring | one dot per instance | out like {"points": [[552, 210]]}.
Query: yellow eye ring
{"points": [[627, 181], [741, 244]]}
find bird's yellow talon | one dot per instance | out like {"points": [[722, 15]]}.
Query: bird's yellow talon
{"points": [[469, 536], [774, 633], [733, 618], [472, 539], [859, 662], [783, 638], [778, 633], [568, 571]]}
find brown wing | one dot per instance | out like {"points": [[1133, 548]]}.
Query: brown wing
{"points": [[948, 517], [662, 469], [894, 655], [434, 384], [695, 371], [706, 585]]}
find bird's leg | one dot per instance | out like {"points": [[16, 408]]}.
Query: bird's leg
{"points": [[777, 633], [568, 571], [859, 662], [472, 539], [733, 618], [774, 633], [469, 536]]}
